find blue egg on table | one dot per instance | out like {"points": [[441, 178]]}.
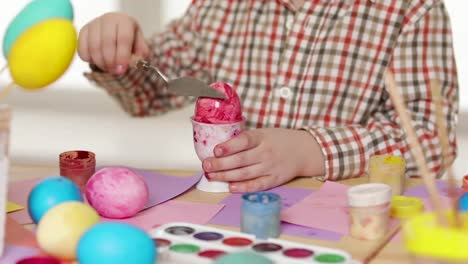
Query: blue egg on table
{"points": [[116, 243], [49, 193], [35, 12], [463, 202]]}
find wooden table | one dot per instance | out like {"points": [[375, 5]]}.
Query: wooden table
{"points": [[392, 253]]}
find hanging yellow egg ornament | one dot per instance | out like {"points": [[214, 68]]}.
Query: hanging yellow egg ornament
{"points": [[42, 53]]}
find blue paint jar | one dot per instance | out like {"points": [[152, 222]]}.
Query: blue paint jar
{"points": [[261, 214], [463, 203]]}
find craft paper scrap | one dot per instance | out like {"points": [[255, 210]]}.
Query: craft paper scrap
{"points": [[12, 207], [230, 215], [172, 211], [421, 191], [326, 209], [161, 189], [13, 253], [18, 192], [17, 235]]}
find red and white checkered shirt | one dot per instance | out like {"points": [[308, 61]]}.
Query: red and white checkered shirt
{"points": [[318, 67]]}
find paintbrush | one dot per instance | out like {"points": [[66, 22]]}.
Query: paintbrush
{"points": [[416, 150], [376, 250], [442, 133], [415, 146]]}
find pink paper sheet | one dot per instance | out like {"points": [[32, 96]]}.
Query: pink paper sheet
{"points": [[323, 209], [172, 211]]}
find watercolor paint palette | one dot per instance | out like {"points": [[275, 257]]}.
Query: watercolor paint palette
{"points": [[189, 243]]}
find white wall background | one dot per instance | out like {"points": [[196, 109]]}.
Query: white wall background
{"points": [[73, 114]]}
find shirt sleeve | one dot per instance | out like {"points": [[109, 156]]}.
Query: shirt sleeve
{"points": [[177, 52], [423, 52]]}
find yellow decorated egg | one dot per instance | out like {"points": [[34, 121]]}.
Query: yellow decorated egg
{"points": [[60, 229], [42, 53]]}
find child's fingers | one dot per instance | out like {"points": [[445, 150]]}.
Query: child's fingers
{"points": [[95, 45], [125, 39], [238, 160], [83, 39], [258, 184], [240, 174], [109, 43], [141, 47], [244, 141]]}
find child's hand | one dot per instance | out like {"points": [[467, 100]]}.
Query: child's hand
{"points": [[109, 41], [264, 158]]}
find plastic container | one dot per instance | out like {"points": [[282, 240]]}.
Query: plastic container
{"points": [[261, 214], [5, 118], [369, 210], [388, 169], [78, 166], [429, 243], [205, 139]]}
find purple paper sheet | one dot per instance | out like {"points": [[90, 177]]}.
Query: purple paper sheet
{"points": [[231, 213], [420, 191], [161, 189], [13, 253], [165, 187]]}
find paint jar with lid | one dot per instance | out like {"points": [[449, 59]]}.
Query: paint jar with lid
{"points": [[388, 169], [369, 210], [78, 166], [465, 183], [428, 242], [261, 214]]}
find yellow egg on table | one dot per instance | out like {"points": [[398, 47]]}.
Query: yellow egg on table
{"points": [[42, 53], [60, 229]]}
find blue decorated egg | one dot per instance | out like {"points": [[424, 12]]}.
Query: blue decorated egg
{"points": [[50, 192], [116, 243], [35, 12]]}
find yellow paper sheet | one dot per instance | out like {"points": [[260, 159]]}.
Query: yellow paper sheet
{"points": [[12, 207]]}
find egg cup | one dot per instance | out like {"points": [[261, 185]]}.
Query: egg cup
{"points": [[205, 138]]}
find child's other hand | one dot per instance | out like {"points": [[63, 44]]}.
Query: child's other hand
{"points": [[110, 40], [264, 158]]}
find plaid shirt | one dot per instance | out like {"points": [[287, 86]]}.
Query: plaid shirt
{"points": [[318, 67]]}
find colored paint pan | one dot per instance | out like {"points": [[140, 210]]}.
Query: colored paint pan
{"points": [[330, 258], [267, 247], [208, 236], [211, 254], [298, 253], [185, 248], [237, 241], [180, 230]]}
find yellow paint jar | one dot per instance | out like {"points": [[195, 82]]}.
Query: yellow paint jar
{"points": [[388, 169]]}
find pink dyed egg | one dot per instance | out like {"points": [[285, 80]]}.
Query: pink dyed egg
{"points": [[117, 192]]}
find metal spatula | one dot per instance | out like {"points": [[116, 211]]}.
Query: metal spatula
{"points": [[187, 86]]}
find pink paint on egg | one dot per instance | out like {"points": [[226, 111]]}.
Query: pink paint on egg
{"points": [[117, 192]]}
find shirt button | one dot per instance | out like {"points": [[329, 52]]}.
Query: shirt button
{"points": [[289, 22], [285, 92]]}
